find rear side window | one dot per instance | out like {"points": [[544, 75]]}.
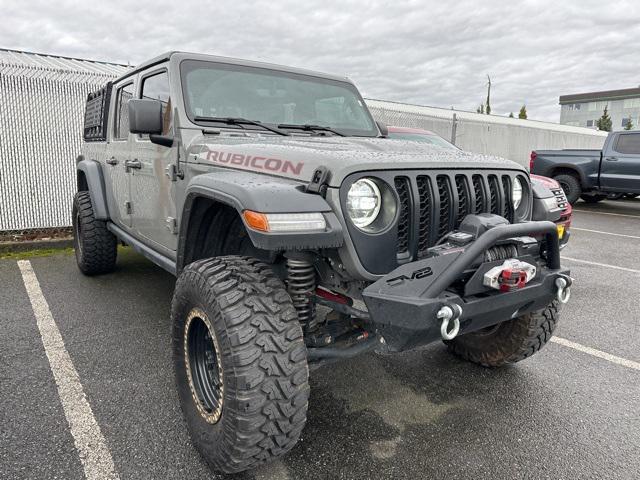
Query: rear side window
{"points": [[121, 124], [156, 87], [628, 143]]}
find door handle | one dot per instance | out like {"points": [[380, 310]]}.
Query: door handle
{"points": [[612, 159], [112, 161], [135, 163]]}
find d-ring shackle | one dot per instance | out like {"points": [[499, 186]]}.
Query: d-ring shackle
{"points": [[446, 314]]}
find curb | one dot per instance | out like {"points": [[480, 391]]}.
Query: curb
{"points": [[7, 247]]}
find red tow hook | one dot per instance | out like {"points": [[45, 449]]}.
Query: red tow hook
{"points": [[512, 275], [512, 279]]}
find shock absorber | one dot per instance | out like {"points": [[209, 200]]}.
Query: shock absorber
{"points": [[301, 284]]}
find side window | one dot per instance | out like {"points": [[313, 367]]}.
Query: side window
{"points": [[628, 143], [156, 87], [121, 120]]}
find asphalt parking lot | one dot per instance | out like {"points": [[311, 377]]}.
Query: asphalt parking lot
{"points": [[572, 411]]}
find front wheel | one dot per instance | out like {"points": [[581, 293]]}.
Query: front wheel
{"points": [[508, 342], [240, 362]]}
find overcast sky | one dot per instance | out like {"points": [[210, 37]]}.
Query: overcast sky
{"points": [[423, 52]]}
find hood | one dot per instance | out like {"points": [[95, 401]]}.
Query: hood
{"points": [[297, 157]]}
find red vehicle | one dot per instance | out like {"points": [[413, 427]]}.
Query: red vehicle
{"points": [[546, 206]]}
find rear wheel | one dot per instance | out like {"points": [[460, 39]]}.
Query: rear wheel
{"points": [[96, 248], [593, 198], [571, 186], [508, 342], [240, 362]]}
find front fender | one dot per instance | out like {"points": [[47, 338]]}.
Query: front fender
{"points": [[265, 194], [95, 183]]}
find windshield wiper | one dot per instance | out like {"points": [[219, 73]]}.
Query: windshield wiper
{"points": [[240, 122], [311, 128]]}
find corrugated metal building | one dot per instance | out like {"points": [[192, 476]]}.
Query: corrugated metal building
{"points": [[41, 113]]}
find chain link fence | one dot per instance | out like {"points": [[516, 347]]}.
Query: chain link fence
{"points": [[42, 102]]}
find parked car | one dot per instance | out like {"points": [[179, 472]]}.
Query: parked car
{"points": [[549, 200], [594, 174], [269, 190]]}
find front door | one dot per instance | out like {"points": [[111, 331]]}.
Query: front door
{"points": [[621, 164], [152, 191], [117, 153]]}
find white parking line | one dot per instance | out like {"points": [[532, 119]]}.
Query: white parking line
{"points": [[604, 233], [597, 264], [597, 353], [92, 449], [607, 213]]}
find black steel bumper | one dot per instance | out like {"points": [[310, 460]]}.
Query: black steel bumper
{"points": [[403, 305]]}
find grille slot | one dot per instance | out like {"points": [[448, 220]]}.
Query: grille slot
{"points": [[463, 198], [426, 204], [507, 196], [478, 190], [444, 192], [402, 187], [494, 196]]}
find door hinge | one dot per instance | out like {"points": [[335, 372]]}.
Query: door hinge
{"points": [[128, 207], [173, 173], [172, 225]]}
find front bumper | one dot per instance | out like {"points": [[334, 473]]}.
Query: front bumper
{"points": [[404, 304]]}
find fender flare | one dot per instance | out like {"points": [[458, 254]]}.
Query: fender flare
{"points": [[242, 191], [94, 177]]}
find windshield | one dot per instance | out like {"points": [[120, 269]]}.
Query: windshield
{"points": [[424, 138], [219, 90]]}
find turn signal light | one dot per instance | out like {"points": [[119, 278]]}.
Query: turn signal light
{"points": [[285, 222]]}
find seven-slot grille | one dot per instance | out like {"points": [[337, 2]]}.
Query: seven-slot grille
{"points": [[441, 202]]}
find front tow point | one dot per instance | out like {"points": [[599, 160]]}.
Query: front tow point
{"points": [[447, 314], [564, 288]]}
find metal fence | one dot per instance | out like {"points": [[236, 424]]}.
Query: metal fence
{"points": [[42, 100], [510, 138], [41, 112]]}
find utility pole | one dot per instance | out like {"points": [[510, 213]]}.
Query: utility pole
{"points": [[488, 109]]}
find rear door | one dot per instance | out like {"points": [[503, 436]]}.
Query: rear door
{"points": [[621, 164], [152, 191], [118, 152]]}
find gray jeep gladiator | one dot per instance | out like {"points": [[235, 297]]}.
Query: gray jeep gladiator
{"points": [[300, 236]]}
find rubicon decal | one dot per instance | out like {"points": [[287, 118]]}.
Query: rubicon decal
{"points": [[269, 164]]}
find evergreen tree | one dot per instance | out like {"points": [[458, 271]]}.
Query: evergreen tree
{"points": [[629, 125], [523, 112], [510, 114], [604, 122], [480, 109]]}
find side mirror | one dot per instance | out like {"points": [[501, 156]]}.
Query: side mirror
{"points": [[145, 116], [384, 131]]}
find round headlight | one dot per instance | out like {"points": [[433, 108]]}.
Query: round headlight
{"points": [[363, 202], [516, 193]]}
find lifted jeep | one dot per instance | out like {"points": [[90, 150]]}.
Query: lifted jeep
{"points": [[300, 235]]}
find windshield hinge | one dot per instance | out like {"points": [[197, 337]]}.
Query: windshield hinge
{"points": [[173, 172], [319, 181]]}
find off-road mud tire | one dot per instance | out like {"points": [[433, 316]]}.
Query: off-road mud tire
{"points": [[96, 248], [263, 362], [510, 341]]}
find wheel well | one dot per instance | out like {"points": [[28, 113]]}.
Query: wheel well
{"points": [[216, 229], [83, 185]]}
